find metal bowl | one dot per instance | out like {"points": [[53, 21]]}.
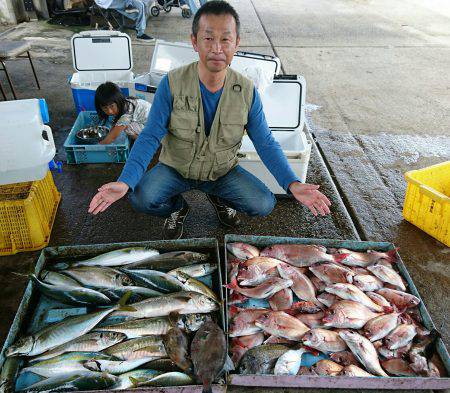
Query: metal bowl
{"points": [[91, 135]]}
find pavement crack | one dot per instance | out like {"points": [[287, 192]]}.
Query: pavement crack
{"points": [[267, 34], [375, 167]]}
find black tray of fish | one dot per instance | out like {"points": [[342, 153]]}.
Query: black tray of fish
{"points": [[149, 308], [303, 337]]}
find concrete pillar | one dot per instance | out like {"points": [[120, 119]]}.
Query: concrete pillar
{"points": [[7, 14], [13, 12], [41, 8]]}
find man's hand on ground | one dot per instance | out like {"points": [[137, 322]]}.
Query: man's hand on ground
{"points": [[310, 196], [107, 195]]}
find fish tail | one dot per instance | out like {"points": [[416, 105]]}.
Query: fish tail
{"points": [[233, 310], [35, 279], [207, 388], [340, 257], [315, 352], [20, 274], [61, 266], [123, 301], [392, 254], [233, 284]]}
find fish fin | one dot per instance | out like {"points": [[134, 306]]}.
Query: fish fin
{"points": [[238, 342], [61, 266], [229, 365], [291, 312], [20, 274], [173, 317], [181, 297], [340, 257], [36, 280], [136, 381], [233, 284], [207, 388], [315, 352], [400, 310], [392, 254], [233, 310], [124, 299]]}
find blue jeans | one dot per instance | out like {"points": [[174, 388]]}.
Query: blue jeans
{"points": [[139, 17], [193, 5], [159, 192]]}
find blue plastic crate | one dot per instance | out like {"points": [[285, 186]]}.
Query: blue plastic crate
{"points": [[94, 154], [84, 99]]}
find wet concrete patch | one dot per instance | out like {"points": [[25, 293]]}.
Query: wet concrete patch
{"points": [[369, 171]]}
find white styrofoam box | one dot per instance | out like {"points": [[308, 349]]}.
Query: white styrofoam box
{"points": [[24, 151], [283, 103], [295, 146], [244, 60], [170, 55], [99, 52], [99, 56]]}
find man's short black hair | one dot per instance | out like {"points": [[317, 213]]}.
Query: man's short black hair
{"points": [[215, 7]]}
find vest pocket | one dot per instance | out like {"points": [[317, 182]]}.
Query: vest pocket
{"points": [[188, 103], [225, 160], [232, 123], [177, 153], [183, 124]]}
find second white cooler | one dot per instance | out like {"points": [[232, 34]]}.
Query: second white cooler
{"points": [[283, 104]]}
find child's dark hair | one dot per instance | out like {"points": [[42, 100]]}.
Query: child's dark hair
{"points": [[109, 93], [215, 7]]}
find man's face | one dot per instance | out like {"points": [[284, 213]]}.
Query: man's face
{"points": [[216, 41]]}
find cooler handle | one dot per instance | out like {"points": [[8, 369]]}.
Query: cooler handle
{"points": [[50, 143]]}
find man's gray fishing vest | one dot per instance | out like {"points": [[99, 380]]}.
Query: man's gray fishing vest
{"points": [[186, 147]]}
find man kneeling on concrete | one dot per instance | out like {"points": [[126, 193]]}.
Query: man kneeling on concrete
{"points": [[199, 115]]}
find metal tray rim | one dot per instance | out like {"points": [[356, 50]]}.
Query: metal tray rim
{"points": [[415, 383], [83, 250]]}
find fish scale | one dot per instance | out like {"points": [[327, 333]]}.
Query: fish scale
{"points": [[63, 364], [141, 327], [181, 302], [99, 277], [90, 342], [149, 346]]}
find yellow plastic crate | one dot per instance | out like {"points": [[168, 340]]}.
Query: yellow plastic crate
{"points": [[427, 201], [27, 213]]}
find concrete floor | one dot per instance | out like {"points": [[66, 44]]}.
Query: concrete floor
{"points": [[378, 105]]}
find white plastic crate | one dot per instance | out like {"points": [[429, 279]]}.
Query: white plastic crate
{"points": [[170, 55], [283, 104], [99, 56]]}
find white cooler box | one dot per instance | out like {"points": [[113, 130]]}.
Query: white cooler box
{"points": [[99, 56], [283, 104], [27, 144], [170, 55]]}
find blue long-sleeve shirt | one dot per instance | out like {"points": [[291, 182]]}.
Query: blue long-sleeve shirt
{"points": [[156, 128]]}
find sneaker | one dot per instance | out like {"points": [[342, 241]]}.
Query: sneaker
{"points": [[173, 226], [145, 37], [131, 10], [226, 215]]}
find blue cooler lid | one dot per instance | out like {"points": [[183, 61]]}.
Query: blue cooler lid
{"points": [[44, 110]]}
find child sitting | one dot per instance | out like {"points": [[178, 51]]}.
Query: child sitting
{"points": [[130, 114]]}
